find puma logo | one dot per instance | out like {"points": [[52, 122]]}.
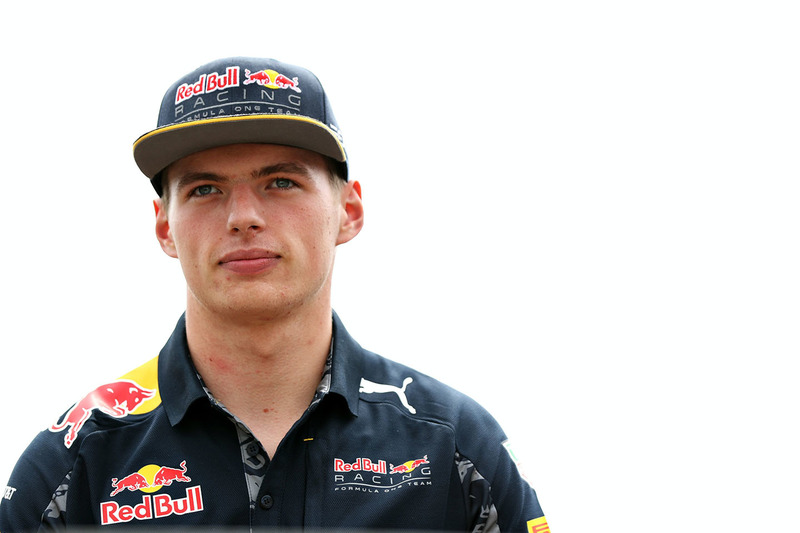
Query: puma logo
{"points": [[370, 387]]}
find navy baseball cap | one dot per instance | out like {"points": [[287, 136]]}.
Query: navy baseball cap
{"points": [[240, 100]]}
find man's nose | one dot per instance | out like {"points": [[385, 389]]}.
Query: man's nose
{"points": [[246, 210]]}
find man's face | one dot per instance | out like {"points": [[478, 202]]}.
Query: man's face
{"points": [[255, 227]]}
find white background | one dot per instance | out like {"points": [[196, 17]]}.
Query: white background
{"points": [[583, 214]]}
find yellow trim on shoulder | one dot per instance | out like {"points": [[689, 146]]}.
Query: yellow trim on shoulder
{"points": [[538, 525], [146, 376]]}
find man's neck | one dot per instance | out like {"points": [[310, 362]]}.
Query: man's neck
{"points": [[265, 372]]}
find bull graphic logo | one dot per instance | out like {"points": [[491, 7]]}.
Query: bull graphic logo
{"points": [[150, 478], [370, 387], [166, 475], [272, 79], [134, 481], [408, 466], [117, 399]]}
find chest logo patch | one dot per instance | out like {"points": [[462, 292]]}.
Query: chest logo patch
{"points": [[150, 479], [366, 475], [370, 387]]}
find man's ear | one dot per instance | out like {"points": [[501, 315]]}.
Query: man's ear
{"points": [[163, 233], [353, 212]]}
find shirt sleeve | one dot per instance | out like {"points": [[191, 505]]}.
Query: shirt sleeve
{"points": [[496, 495], [35, 498]]}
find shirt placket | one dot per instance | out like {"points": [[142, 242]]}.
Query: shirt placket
{"points": [[255, 460]]}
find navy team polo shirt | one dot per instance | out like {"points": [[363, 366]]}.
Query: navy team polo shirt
{"points": [[381, 446]]}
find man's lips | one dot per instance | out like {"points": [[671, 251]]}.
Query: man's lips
{"points": [[249, 261]]}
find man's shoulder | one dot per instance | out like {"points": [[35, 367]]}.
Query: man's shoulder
{"points": [[420, 395], [476, 435], [134, 393], [42, 474]]}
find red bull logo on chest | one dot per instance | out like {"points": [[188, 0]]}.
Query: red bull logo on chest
{"points": [[158, 506], [360, 464], [150, 479], [366, 475], [409, 466]]}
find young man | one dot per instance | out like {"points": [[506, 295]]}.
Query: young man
{"points": [[261, 410]]}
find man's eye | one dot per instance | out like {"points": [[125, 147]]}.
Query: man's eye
{"points": [[204, 190], [282, 183]]}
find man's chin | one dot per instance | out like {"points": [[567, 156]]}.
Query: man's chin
{"points": [[244, 305]]}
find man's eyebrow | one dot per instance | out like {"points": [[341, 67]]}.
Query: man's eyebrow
{"points": [[192, 177], [281, 168]]}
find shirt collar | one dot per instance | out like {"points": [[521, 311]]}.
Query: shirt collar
{"points": [[347, 367], [180, 387], [177, 377]]}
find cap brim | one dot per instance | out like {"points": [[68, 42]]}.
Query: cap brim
{"points": [[156, 150]]}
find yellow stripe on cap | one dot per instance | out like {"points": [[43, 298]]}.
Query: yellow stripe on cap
{"points": [[189, 123]]}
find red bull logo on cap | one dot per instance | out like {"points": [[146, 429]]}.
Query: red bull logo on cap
{"points": [[150, 479], [208, 83], [272, 79], [117, 399]]}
